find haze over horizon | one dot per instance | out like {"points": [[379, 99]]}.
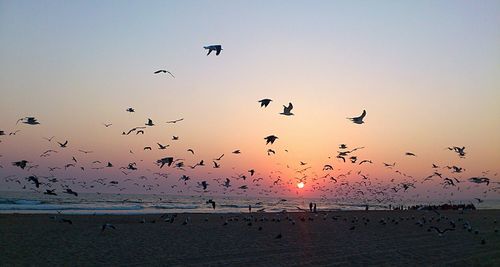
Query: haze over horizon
{"points": [[427, 73]]}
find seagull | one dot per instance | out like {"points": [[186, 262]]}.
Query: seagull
{"points": [[107, 225], [210, 201], [175, 121], [164, 71], [34, 179], [441, 232], [264, 102], [203, 184], [216, 166], [410, 154], [50, 192], [219, 158], [287, 110], [190, 150], [71, 192], [21, 164], [175, 137], [28, 120], [63, 145], [167, 160], [160, 146], [237, 151], [358, 120], [270, 139], [149, 123], [252, 171], [480, 180], [107, 124], [130, 110], [211, 48]]}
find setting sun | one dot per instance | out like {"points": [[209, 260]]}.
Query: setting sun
{"points": [[300, 185]]}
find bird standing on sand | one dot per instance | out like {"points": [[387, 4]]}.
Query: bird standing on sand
{"points": [[216, 48], [107, 225]]}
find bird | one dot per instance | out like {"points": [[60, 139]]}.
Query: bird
{"points": [[216, 48], [107, 124], [34, 179], [71, 192], [440, 232], [175, 121], [237, 151], [63, 145], [264, 102], [216, 166], [164, 71], [175, 138], [287, 110], [149, 123], [28, 120], [21, 164], [219, 158], [358, 120], [270, 139], [190, 150], [160, 146], [147, 148], [163, 161], [252, 171], [130, 110], [107, 225], [203, 184], [410, 154], [50, 192]]}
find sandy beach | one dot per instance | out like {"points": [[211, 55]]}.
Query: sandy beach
{"points": [[334, 238]]}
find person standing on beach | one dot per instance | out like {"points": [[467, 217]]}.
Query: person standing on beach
{"points": [[249, 208], [314, 208], [310, 206]]}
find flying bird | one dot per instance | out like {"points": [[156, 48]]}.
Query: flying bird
{"points": [[149, 123], [63, 145], [216, 48], [270, 139], [265, 102], [175, 121], [164, 71], [358, 120], [130, 110], [287, 110], [28, 120]]}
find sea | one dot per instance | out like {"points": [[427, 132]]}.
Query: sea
{"points": [[105, 203]]}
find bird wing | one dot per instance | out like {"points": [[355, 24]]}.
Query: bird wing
{"points": [[363, 114]]}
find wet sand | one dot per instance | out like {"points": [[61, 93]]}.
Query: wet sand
{"points": [[315, 239]]}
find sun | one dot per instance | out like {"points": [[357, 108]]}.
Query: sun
{"points": [[300, 185]]}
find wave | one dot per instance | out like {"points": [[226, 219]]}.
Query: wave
{"points": [[65, 207], [171, 207], [20, 201]]}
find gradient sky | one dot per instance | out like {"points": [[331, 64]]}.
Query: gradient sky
{"points": [[427, 72]]}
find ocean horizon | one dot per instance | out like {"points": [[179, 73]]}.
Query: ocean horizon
{"points": [[109, 203]]}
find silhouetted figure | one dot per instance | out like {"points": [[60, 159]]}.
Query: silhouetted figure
{"points": [[314, 208], [250, 208], [310, 206]]}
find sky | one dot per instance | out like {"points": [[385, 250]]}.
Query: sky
{"points": [[426, 72]]}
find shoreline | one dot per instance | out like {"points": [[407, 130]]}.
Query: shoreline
{"points": [[193, 239]]}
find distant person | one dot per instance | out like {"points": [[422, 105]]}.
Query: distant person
{"points": [[366, 208], [314, 208], [250, 208], [310, 206]]}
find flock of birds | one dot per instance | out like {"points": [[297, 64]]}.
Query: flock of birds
{"points": [[343, 183]]}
